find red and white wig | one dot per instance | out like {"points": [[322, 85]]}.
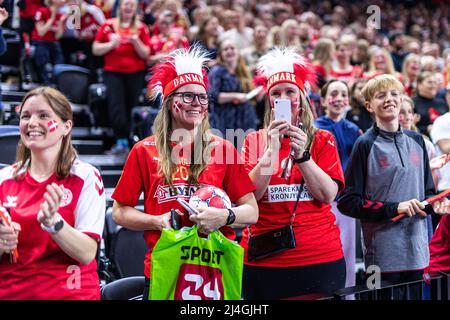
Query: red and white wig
{"points": [[285, 65], [179, 68]]}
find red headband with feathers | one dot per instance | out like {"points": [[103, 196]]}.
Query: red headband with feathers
{"points": [[285, 65], [179, 68]]}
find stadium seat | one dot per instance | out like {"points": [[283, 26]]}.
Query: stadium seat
{"points": [[130, 288], [128, 250], [73, 81], [9, 137], [10, 60]]}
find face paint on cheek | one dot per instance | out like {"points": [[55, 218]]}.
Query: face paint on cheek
{"points": [[177, 106], [52, 125], [331, 101], [401, 117]]}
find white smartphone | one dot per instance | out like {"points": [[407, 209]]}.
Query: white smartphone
{"points": [[283, 110], [187, 206]]}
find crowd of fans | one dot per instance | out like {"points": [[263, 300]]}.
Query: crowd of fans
{"points": [[345, 41], [407, 43]]}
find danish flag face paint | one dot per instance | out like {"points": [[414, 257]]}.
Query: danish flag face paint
{"points": [[52, 125], [177, 106]]}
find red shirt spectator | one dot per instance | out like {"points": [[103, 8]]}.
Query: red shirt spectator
{"points": [[30, 9], [43, 15], [124, 57]]}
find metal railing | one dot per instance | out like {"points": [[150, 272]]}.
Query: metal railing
{"points": [[437, 287]]}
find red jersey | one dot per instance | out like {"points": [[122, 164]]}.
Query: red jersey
{"points": [[317, 235], [91, 19], [348, 77], [31, 7], [43, 270], [440, 246], [124, 57], [159, 43], [140, 174], [43, 15]]}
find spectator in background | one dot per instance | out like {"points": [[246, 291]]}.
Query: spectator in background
{"points": [[428, 105], [440, 135], [380, 62], [180, 20], [341, 69], [334, 99], [230, 81], [289, 34], [208, 35], [274, 37], [358, 113], [258, 48], [361, 55], [58, 211], [168, 39], [3, 16], [48, 29], [239, 33], [27, 12], [410, 72], [397, 43], [446, 68], [322, 59], [125, 43], [91, 18]]}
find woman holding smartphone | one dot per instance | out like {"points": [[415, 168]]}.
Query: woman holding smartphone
{"points": [[297, 174]]}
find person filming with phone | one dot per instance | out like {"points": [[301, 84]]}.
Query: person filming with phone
{"points": [[181, 157], [294, 249]]}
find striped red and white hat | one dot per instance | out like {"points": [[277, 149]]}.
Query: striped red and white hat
{"points": [[179, 68], [285, 65]]}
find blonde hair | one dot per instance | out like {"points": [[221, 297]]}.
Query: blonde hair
{"points": [[407, 60], [67, 153], [163, 132], [134, 25], [322, 51], [379, 83], [242, 72], [389, 64], [284, 40], [307, 117]]}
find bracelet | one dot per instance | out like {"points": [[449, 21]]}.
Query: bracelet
{"points": [[231, 217]]}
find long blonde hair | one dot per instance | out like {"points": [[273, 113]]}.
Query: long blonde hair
{"points": [[67, 154], [163, 132], [134, 25], [242, 72]]}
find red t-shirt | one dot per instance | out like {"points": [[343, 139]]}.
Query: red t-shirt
{"points": [[124, 57], [440, 246], [43, 270], [140, 174], [43, 15], [159, 43], [348, 77], [91, 19], [317, 236], [31, 7]]}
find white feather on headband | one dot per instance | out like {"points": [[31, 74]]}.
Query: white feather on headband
{"points": [[177, 63], [286, 59]]}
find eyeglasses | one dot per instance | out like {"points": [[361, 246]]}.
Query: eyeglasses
{"points": [[189, 97]]}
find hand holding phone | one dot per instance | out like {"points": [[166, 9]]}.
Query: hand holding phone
{"points": [[191, 210], [283, 110], [175, 219]]}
